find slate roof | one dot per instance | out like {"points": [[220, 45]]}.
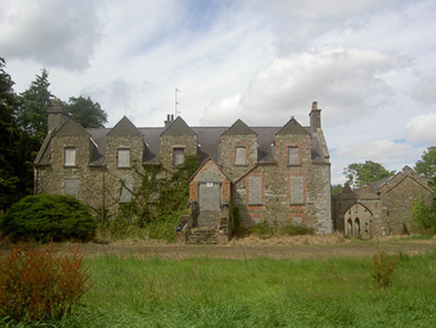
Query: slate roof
{"points": [[208, 140], [292, 127], [178, 128], [239, 128], [124, 128]]}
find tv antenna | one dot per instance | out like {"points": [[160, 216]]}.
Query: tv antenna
{"points": [[176, 103]]}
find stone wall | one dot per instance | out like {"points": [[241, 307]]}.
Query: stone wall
{"points": [[228, 154], [116, 176], [52, 178], [391, 205], [168, 143]]}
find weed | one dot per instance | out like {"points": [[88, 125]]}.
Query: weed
{"points": [[36, 284], [382, 268]]}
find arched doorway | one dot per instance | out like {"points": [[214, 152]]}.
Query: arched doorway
{"points": [[358, 222]]}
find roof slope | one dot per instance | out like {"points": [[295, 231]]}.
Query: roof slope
{"points": [[239, 128], [124, 128], [178, 128]]}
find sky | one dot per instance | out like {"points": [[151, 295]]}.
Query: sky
{"points": [[370, 65]]}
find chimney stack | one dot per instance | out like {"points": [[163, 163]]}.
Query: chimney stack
{"points": [[57, 115], [315, 117], [170, 119]]}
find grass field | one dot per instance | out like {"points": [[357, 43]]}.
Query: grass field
{"points": [[334, 292]]}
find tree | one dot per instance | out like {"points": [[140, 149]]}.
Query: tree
{"points": [[88, 113], [336, 189], [16, 174], [32, 115], [361, 174], [427, 166]]}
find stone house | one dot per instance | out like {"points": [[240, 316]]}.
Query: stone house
{"points": [[381, 208], [273, 174]]}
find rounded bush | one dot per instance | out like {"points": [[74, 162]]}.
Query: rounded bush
{"points": [[46, 217]]}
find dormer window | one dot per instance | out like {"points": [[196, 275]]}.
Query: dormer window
{"points": [[124, 158], [293, 156], [69, 156], [240, 155], [178, 156]]}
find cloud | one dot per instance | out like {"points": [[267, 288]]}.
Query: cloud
{"points": [[384, 151], [349, 82], [425, 92], [53, 33], [421, 129]]}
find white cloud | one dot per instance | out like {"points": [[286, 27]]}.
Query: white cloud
{"points": [[425, 92], [384, 151], [54, 33], [422, 129], [349, 82]]}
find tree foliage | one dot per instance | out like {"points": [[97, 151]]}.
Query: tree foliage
{"points": [[157, 203], [361, 174], [427, 166], [336, 189], [16, 173], [424, 216], [88, 113], [32, 115]]}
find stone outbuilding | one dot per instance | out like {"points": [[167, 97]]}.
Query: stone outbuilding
{"points": [[270, 174], [384, 207]]}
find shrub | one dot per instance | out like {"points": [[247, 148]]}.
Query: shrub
{"points": [[48, 217], [37, 284], [424, 217]]}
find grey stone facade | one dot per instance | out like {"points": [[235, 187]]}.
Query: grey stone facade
{"points": [[382, 208], [272, 174]]}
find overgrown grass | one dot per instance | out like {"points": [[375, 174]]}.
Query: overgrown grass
{"points": [[205, 292]]}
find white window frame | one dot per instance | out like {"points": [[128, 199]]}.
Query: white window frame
{"points": [[123, 158], [76, 186], [126, 190], [242, 158], [296, 186], [255, 195], [295, 158], [69, 156], [178, 152]]}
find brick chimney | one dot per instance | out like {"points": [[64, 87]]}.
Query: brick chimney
{"points": [[315, 117], [57, 115]]}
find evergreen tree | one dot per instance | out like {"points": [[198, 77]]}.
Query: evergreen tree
{"points": [[32, 115], [16, 173], [88, 113]]}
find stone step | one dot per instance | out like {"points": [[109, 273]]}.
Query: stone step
{"points": [[208, 219], [202, 236]]}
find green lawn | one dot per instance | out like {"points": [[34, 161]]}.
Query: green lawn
{"points": [[256, 293]]}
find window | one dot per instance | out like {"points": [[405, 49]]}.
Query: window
{"points": [[296, 190], [255, 191], [240, 153], [123, 157], [70, 156], [72, 187], [293, 156], [178, 156], [126, 190]]}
